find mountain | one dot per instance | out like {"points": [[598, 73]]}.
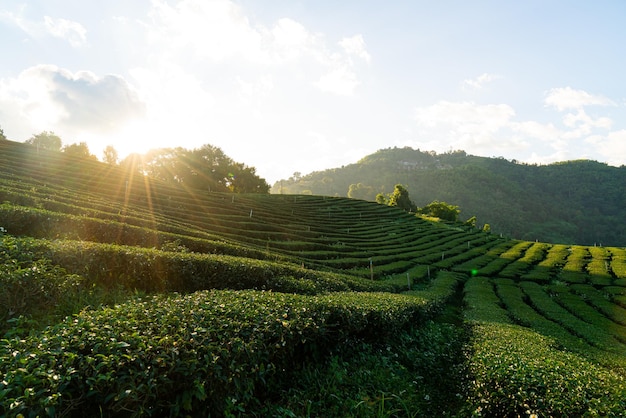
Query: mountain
{"points": [[578, 201]]}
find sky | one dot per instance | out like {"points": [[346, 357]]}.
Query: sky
{"points": [[292, 86]]}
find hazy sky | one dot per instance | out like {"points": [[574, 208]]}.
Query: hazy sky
{"points": [[304, 85]]}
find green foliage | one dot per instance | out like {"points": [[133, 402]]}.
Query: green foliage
{"points": [[204, 169], [80, 150], [110, 155], [45, 141], [517, 372], [209, 351], [400, 198], [30, 285], [360, 191], [415, 373], [441, 210]]}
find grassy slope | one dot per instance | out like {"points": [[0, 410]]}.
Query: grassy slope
{"points": [[84, 235]]}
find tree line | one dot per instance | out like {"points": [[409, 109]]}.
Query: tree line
{"points": [[206, 168]]}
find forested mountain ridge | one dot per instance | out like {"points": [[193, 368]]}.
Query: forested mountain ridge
{"points": [[578, 201]]}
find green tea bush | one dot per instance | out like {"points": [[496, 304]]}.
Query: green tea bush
{"points": [[618, 265], [598, 267], [522, 313], [601, 302], [517, 372], [209, 351], [545, 304], [574, 270], [577, 306], [153, 270], [522, 265], [506, 258], [30, 284], [481, 301]]}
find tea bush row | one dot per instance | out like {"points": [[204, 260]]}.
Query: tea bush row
{"points": [[30, 284], [514, 300], [577, 306], [547, 268], [618, 264], [532, 255], [481, 301], [547, 306], [601, 302], [481, 261], [517, 372], [574, 270], [212, 351], [598, 267], [153, 270], [39, 223], [506, 258]]}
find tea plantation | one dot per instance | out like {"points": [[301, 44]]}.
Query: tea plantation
{"points": [[121, 296]]}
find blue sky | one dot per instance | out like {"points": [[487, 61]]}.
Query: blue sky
{"points": [[304, 85]]}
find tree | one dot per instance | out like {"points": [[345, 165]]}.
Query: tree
{"points": [[206, 168], [400, 198], [45, 140], [110, 155], [360, 191], [80, 150], [2, 136], [441, 210]]}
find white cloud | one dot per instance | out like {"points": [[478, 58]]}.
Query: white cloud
{"points": [[480, 81], [581, 118], [465, 116], [73, 32], [45, 97], [612, 147], [468, 126], [540, 131], [215, 29], [341, 81], [564, 98], [355, 45], [493, 128], [220, 31]]}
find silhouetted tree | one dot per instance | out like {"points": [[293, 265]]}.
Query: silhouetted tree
{"points": [[205, 168], [80, 150], [46, 141], [110, 155], [360, 191], [2, 136]]}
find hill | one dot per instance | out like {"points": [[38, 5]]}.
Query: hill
{"points": [[124, 296], [571, 202]]}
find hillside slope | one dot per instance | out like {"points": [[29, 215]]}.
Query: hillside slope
{"points": [[572, 202], [122, 296]]}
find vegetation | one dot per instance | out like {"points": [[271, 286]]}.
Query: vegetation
{"points": [[125, 295], [574, 202]]}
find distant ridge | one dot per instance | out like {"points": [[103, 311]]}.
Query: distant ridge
{"points": [[579, 201]]}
